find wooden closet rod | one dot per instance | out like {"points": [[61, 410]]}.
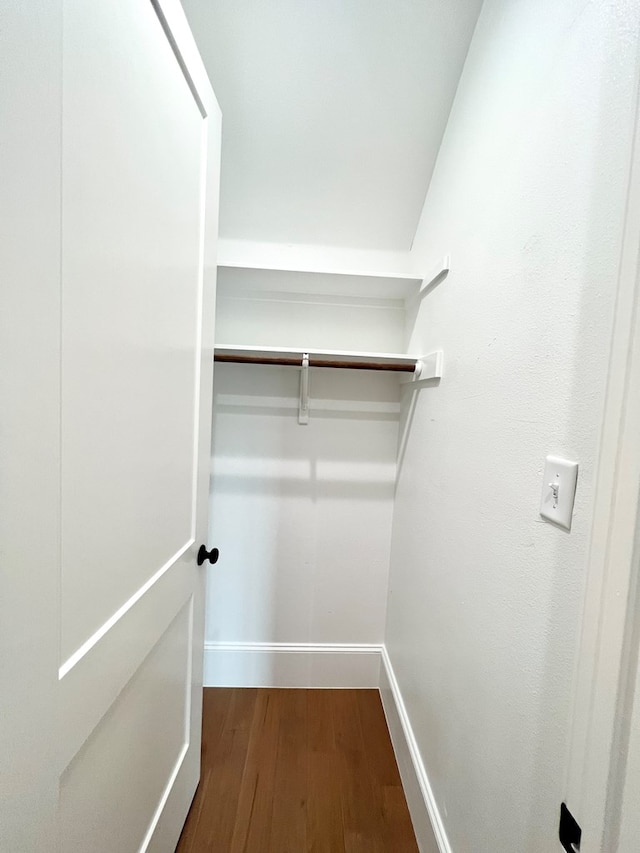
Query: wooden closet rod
{"points": [[315, 362]]}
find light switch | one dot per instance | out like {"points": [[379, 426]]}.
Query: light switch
{"points": [[558, 490]]}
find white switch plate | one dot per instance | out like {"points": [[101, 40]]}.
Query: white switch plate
{"points": [[558, 491]]}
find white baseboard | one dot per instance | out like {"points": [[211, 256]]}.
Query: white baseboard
{"points": [[427, 822], [291, 665], [333, 665]]}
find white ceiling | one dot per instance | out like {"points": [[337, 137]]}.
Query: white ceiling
{"points": [[333, 112]]}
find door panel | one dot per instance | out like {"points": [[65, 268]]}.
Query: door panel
{"points": [[132, 166], [110, 181], [151, 716], [109, 665], [140, 145]]}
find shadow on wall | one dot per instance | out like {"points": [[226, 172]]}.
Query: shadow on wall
{"points": [[410, 391]]}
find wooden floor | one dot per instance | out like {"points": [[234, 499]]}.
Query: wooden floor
{"points": [[297, 771]]}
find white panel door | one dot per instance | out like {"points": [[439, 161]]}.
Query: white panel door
{"points": [[140, 135], [111, 190]]}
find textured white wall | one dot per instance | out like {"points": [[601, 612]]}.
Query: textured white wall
{"points": [[485, 598], [333, 112], [301, 514]]}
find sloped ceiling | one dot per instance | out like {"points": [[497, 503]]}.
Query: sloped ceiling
{"points": [[333, 112]]}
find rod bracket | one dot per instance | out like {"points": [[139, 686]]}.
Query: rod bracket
{"points": [[427, 367], [430, 366]]}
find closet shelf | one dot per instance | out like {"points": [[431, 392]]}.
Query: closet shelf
{"points": [[426, 367], [345, 359]]}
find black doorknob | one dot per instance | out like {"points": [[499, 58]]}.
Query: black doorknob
{"points": [[211, 555]]}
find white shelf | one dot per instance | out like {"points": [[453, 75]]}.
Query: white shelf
{"points": [[418, 367], [316, 259], [413, 369], [319, 270], [245, 280], [333, 358]]}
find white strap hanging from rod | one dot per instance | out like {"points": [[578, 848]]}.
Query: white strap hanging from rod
{"points": [[303, 411]]}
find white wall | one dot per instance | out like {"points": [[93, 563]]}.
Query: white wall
{"points": [[301, 514], [333, 113], [485, 597]]}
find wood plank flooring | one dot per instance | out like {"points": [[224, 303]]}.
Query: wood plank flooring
{"points": [[297, 771]]}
